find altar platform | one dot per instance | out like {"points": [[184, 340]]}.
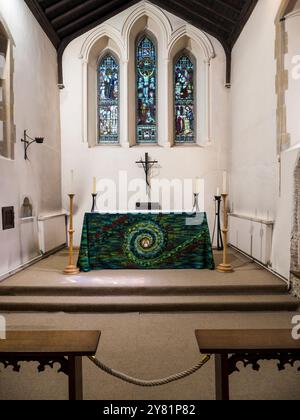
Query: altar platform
{"points": [[44, 288]]}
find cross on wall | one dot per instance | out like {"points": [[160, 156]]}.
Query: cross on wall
{"points": [[147, 165]]}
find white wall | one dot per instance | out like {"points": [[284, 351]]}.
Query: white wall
{"points": [[36, 109], [255, 171], [207, 162]]}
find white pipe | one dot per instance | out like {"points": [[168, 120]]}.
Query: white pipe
{"points": [[29, 263], [288, 282]]}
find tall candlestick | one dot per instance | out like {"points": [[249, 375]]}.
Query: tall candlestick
{"points": [[197, 186], [71, 269], [72, 182], [94, 185], [225, 266], [224, 182]]}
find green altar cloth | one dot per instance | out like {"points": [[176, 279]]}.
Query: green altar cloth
{"points": [[145, 241]]}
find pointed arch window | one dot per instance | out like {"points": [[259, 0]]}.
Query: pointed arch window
{"points": [[146, 82], [108, 100], [184, 99]]}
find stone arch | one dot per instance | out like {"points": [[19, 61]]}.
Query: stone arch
{"points": [[199, 37], [145, 12], [7, 127], [96, 36]]}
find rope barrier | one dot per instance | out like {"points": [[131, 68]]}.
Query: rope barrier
{"points": [[155, 383]]}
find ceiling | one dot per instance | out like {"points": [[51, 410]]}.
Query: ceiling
{"points": [[65, 20]]}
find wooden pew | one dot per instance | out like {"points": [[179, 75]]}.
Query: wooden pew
{"points": [[49, 347], [249, 347]]}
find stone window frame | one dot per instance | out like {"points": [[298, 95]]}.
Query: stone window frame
{"points": [[7, 109], [281, 49]]}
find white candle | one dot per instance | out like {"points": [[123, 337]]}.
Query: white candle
{"points": [[94, 185], [72, 182], [224, 182], [218, 192], [197, 186]]}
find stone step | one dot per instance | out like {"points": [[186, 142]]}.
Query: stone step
{"points": [[135, 290], [126, 304]]}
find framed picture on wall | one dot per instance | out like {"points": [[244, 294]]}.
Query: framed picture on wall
{"points": [[8, 218]]}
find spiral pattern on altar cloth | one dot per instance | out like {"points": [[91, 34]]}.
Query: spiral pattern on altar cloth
{"points": [[144, 243]]}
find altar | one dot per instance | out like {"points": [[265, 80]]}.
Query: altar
{"points": [[145, 241]]}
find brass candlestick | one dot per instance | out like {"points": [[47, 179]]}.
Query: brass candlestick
{"points": [[71, 269], [225, 267]]}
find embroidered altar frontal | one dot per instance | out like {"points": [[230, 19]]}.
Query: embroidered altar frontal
{"points": [[145, 241]]}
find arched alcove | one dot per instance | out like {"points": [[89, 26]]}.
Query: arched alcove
{"points": [[26, 209]]}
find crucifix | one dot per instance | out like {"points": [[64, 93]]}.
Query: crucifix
{"points": [[147, 164]]}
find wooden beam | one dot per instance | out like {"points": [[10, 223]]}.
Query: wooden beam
{"points": [[190, 18], [75, 12], [66, 41], [214, 11], [60, 7], [43, 21], [72, 18], [225, 4], [108, 9], [228, 67], [180, 9]]}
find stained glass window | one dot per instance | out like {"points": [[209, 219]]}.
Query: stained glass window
{"points": [[146, 75], [108, 100], [184, 100]]}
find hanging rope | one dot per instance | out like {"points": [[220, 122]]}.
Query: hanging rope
{"points": [[154, 383]]}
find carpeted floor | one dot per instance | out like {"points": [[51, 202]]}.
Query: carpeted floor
{"points": [[150, 346], [146, 345], [44, 288]]}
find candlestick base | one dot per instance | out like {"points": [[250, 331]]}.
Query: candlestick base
{"points": [[196, 208], [71, 270], [225, 268], [217, 225], [94, 205]]}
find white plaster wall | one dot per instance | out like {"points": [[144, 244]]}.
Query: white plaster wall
{"points": [[36, 109], [255, 169], [181, 163]]}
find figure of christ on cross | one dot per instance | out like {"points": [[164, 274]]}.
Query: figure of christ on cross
{"points": [[147, 165]]}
